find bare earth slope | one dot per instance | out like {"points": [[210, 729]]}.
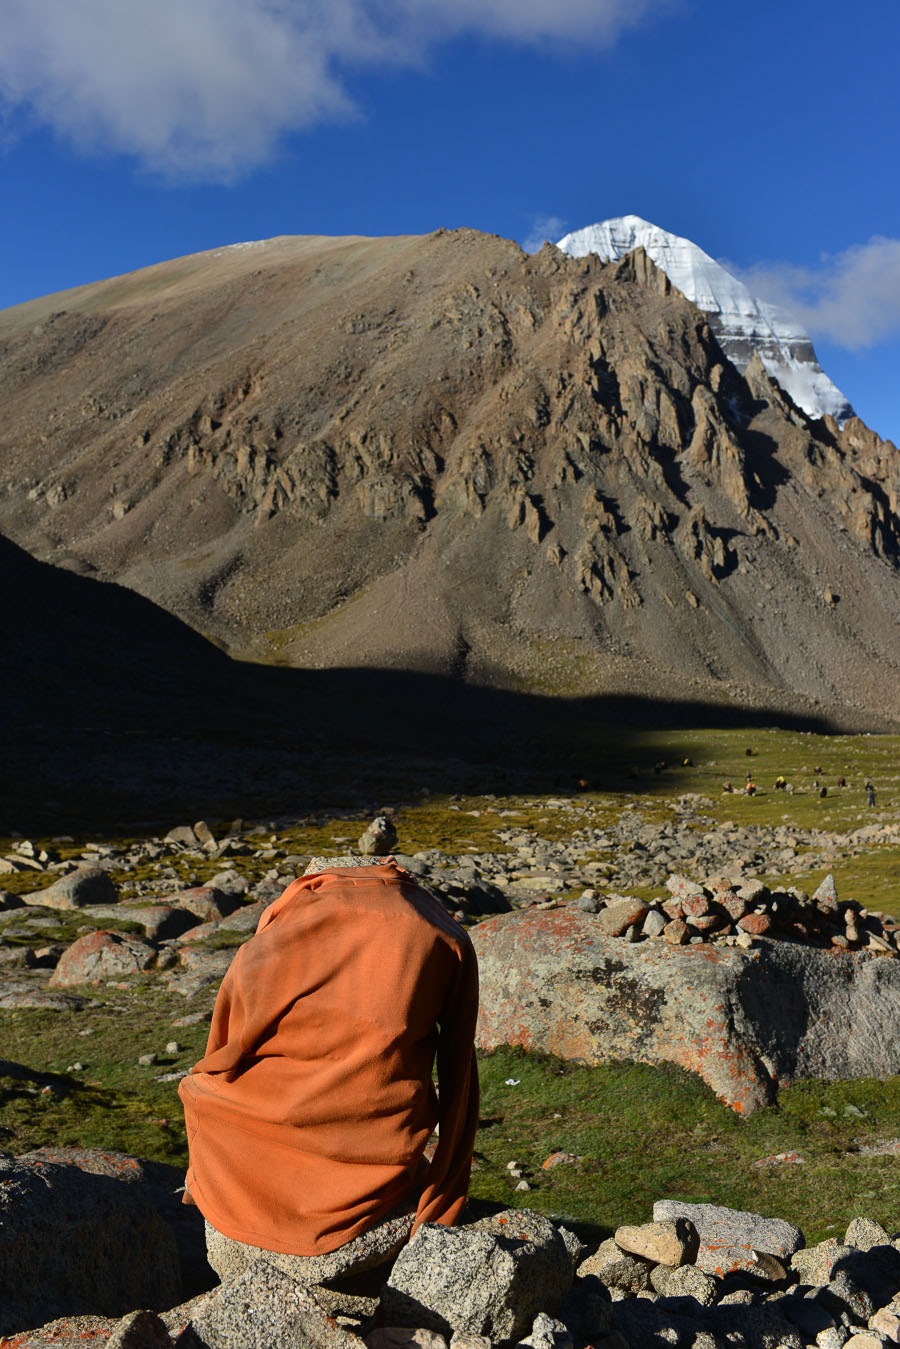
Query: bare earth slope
{"points": [[438, 453]]}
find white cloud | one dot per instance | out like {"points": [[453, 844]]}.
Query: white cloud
{"points": [[850, 298], [206, 87], [544, 228]]}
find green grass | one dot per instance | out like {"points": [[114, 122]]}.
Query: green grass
{"points": [[643, 1133], [111, 1102]]}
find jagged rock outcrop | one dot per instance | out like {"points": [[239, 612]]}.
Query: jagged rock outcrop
{"points": [[443, 454]]}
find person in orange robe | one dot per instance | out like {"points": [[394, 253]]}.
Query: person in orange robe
{"points": [[308, 1118]]}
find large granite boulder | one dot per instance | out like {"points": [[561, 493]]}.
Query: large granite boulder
{"points": [[73, 1243], [745, 1020], [489, 1279]]}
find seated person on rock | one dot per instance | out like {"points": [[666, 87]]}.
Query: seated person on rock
{"points": [[308, 1118]]}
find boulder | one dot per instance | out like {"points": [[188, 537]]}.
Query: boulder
{"points": [[744, 1020], [472, 1280], [160, 922], [204, 901], [157, 1184], [684, 1281], [99, 956], [264, 1307], [730, 1238], [83, 887], [72, 1243]]}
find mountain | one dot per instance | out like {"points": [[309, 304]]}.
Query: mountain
{"points": [[742, 323], [440, 455]]}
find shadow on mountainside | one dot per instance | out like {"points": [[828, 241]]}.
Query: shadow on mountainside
{"points": [[114, 713]]}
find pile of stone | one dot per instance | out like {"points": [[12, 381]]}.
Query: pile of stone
{"points": [[93, 1247], [733, 912]]}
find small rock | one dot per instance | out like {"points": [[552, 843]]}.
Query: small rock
{"points": [[620, 915], [654, 924], [887, 1323], [826, 893], [379, 838], [676, 932], [685, 1281], [547, 1333], [755, 923], [182, 835], [558, 1159], [863, 1234], [404, 1337], [140, 1330], [673, 1241], [616, 1268]]}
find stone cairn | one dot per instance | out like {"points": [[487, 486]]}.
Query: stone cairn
{"points": [[732, 912]]}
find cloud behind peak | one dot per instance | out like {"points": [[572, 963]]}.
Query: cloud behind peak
{"points": [[206, 89]]}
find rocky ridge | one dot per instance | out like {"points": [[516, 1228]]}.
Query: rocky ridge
{"points": [[384, 423]]}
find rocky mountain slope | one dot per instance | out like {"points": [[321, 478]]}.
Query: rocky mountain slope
{"points": [[742, 323], [439, 454]]}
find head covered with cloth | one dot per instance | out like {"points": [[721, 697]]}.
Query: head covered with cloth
{"points": [[308, 1118]]}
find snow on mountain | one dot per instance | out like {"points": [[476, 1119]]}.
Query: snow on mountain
{"points": [[741, 322]]}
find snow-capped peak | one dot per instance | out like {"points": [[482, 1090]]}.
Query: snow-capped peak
{"points": [[741, 322]]}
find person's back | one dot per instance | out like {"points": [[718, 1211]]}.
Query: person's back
{"points": [[309, 1115]]}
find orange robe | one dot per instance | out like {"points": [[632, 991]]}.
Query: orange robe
{"points": [[308, 1117]]}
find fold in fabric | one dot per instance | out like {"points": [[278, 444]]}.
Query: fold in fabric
{"points": [[308, 1117]]}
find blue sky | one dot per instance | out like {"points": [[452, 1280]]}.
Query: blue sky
{"points": [[767, 133]]}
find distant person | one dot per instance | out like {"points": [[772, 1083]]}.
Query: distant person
{"points": [[727, 787], [308, 1118], [780, 783], [870, 795], [750, 788], [823, 791], [842, 782]]}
